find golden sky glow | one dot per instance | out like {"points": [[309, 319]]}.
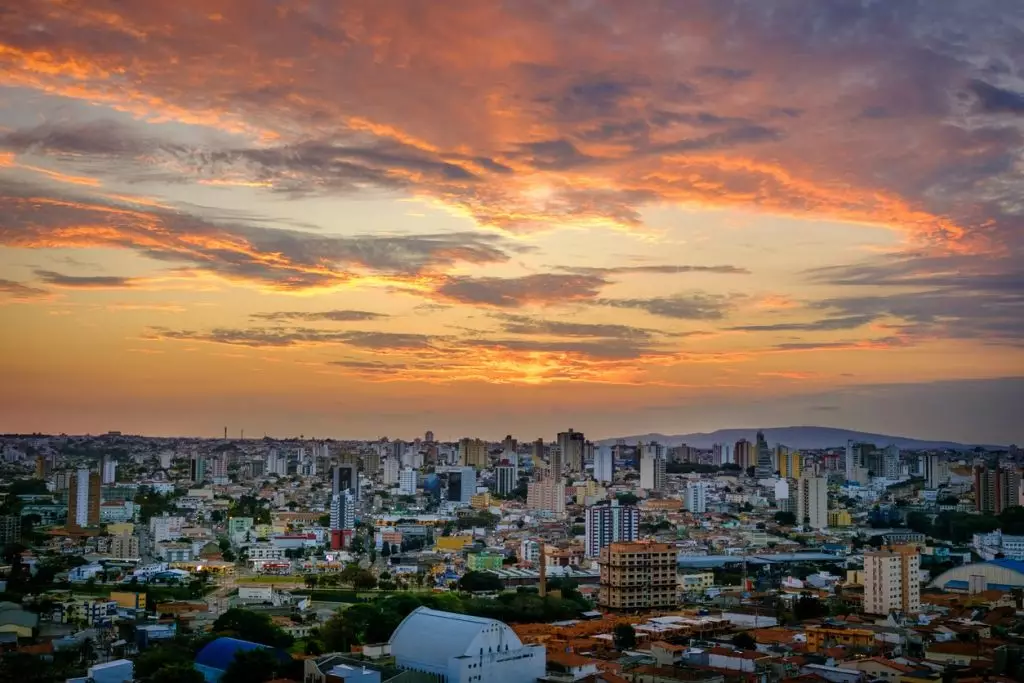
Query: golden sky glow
{"points": [[481, 217]]}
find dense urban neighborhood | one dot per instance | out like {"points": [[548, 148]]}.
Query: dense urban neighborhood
{"points": [[156, 560]]}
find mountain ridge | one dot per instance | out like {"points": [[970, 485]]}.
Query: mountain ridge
{"points": [[807, 437]]}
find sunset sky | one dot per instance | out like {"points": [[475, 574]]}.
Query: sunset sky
{"points": [[357, 219]]}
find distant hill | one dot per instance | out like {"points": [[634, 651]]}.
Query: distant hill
{"points": [[795, 437]]}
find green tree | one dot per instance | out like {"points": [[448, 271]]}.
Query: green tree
{"points": [[252, 626], [624, 636], [785, 518], [744, 641], [473, 581], [253, 666], [178, 672], [154, 659], [627, 499]]}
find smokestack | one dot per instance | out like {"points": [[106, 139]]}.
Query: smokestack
{"points": [[225, 433], [543, 589]]}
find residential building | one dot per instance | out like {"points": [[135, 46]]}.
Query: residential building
{"points": [[548, 494], [652, 467], [696, 582], [125, 547], [506, 479], [168, 527], [891, 462], [839, 517], [392, 470], [10, 529], [821, 638], [458, 648], [638, 576], [696, 498], [108, 469], [604, 464], [473, 453], [790, 463], [479, 562], [812, 501], [892, 581], [935, 470], [571, 446], [609, 522], [84, 499], [343, 511], [743, 453], [196, 468], [995, 488], [345, 478], [407, 482], [116, 513]]}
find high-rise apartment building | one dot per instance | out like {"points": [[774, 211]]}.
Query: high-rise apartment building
{"points": [[935, 470], [407, 482], [696, 498], [392, 468], [637, 576], [812, 501], [473, 453], [10, 529], [608, 522], [995, 489], [571, 444], [892, 581], [343, 518], [125, 547], [547, 494], [721, 454], [108, 469], [84, 499], [345, 478], [743, 453], [506, 479], [604, 465], [891, 462], [429, 436], [765, 466], [791, 463], [197, 468], [652, 467]]}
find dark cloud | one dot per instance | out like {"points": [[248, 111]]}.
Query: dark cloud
{"points": [[617, 349], [544, 288], [726, 73], [308, 316], [104, 138], [828, 324], [881, 343], [664, 269], [997, 100], [553, 155], [87, 281], [18, 290], [526, 325], [682, 306], [288, 337], [277, 257]]}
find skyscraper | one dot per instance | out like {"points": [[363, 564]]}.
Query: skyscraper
{"points": [[995, 489], [197, 468], [571, 445], [743, 454], [696, 498], [108, 467], [892, 581], [429, 436], [392, 468], [461, 485], [473, 453], [546, 494], [84, 499], [765, 467], [609, 522], [812, 501], [936, 470], [343, 518], [345, 478], [652, 467], [849, 463], [604, 465], [891, 462], [407, 482], [790, 463], [506, 479]]}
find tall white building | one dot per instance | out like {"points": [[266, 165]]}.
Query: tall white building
{"points": [[609, 522], [109, 471], [343, 510], [696, 497], [392, 466], [506, 478], [891, 462], [277, 463], [407, 482], [850, 464], [936, 470], [79, 503], [604, 464], [652, 467], [892, 581], [812, 501]]}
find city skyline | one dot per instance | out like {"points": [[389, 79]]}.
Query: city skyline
{"points": [[481, 218]]}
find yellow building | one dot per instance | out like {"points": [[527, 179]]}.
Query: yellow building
{"points": [[590, 489], [839, 517], [696, 582], [122, 529], [450, 544], [473, 452], [480, 501], [129, 600], [823, 637], [790, 465], [855, 577]]}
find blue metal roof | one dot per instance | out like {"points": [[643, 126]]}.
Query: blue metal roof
{"points": [[1006, 563], [219, 654], [722, 560]]}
